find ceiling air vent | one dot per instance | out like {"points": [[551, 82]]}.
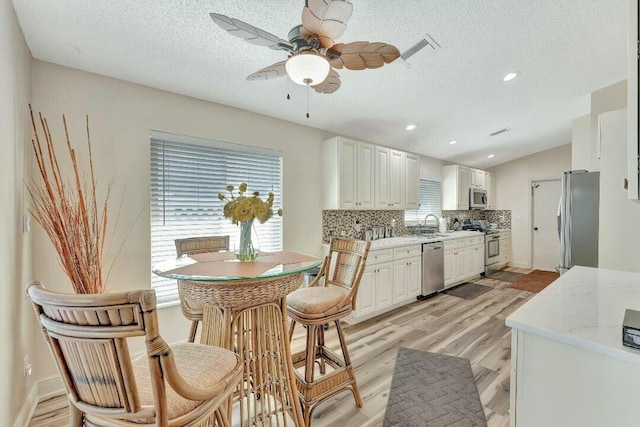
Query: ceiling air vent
{"points": [[498, 132], [413, 50]]}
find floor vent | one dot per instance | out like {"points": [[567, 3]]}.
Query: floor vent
{"points": [[413, 50]]}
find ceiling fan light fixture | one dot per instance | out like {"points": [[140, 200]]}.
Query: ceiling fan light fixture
{"points": [[307, 69]]}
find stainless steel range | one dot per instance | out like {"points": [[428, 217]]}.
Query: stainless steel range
{"points": [[491, 252], [491, 244]]}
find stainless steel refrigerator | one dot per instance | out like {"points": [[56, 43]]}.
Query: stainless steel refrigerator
{"points": [[578, 224]]}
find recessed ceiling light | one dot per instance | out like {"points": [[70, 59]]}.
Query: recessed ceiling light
{"points": [[510, 76], [411, 127], [453, 142], [491, 156]]}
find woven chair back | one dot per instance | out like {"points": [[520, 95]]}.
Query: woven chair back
{"points": [[198, 245], [88, 336], [346, 261]]}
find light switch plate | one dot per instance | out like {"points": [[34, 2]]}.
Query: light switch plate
{"points": [[26, 223]]}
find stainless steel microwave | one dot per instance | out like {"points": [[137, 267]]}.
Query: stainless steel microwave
{"points": [[477, 198]]}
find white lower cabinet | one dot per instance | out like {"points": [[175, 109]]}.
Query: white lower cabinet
{"points": [[392, 278], [414, 277], [383, 284], [366, 299], [449, 267], [463, 259], [407, 276]]}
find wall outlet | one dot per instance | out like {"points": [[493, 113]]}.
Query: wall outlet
{"points": [[27, 366], [357, 226]]}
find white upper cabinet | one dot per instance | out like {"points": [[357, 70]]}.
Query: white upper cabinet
{"points": [[491, 190], [359, 175], [412, 179], [633, 151], [348, 174], [389, 179], [456, 181], [478, 178], [382, 175]]}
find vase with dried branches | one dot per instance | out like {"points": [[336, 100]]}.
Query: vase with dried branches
{"points": [[69, 211]]}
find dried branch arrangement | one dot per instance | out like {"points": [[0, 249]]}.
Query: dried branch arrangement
{"points": [[69, 211]]}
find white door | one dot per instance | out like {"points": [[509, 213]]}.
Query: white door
{"points": [[546, 245]]}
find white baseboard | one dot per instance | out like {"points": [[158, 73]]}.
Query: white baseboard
{"points": [[49, 386], [520, 264], [28, 408]]}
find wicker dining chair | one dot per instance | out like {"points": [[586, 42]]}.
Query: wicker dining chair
{"points": [[329, 298], [193, 310], [182, 385]]}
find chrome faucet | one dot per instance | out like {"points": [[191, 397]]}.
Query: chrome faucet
{"points": [[427, 217]]}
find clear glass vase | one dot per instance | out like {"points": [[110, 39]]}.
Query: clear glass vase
{"points": [[246, 250]]}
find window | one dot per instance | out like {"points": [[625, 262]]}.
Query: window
{"points": [[430, 202], [186, 176]]}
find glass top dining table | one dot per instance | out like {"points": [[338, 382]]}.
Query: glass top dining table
{"points": [[171, 270], [244, 310]]}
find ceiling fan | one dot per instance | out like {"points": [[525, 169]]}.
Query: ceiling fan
{"points": [[313, 53]]}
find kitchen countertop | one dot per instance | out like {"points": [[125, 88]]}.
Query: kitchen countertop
{"points": [[393, 242], [585, 308]]}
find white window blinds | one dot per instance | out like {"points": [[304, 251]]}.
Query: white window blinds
{"points": [[430, 201], [186, 176]]}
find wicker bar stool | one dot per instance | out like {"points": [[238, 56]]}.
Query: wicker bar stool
{"points": [[192, 310], [171, 386], [329, 298]]}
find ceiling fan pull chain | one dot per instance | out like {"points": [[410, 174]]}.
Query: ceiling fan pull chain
{"points": [[288, 88], [307, 101]]}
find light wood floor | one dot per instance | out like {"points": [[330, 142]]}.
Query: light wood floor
{"points": [[443, 324]]}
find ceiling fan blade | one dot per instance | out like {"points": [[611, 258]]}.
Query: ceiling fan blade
{"points": [[270, 72], [326, 18], [363, 55], [330, 84], [250, 33]]}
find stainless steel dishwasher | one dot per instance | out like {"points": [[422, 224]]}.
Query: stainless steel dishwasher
{"points": [[432, 268]]}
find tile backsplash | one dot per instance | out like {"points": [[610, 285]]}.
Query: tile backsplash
{"points": [[335, 222], [502, 217]]}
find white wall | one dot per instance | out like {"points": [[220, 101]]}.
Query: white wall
{"points": [[581, 143], [619, 231], [609, 98], [17, 320], [431, 168], [122, 115], [513, 192]]}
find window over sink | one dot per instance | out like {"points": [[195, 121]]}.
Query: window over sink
{"points": [[430, 192]]}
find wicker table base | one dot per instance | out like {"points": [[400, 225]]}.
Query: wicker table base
{"points": [[249, 317]]}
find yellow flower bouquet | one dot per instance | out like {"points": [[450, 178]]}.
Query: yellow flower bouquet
{"points": [[243, 209]]}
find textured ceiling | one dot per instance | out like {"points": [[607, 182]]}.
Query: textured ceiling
{"points": [[564, 50]]}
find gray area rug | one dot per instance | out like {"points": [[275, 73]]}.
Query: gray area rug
{"points": [[435, 390], [468, 291], [506, 276]]}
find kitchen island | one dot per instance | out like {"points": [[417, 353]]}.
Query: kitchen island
{"points": [[568, 364]]}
